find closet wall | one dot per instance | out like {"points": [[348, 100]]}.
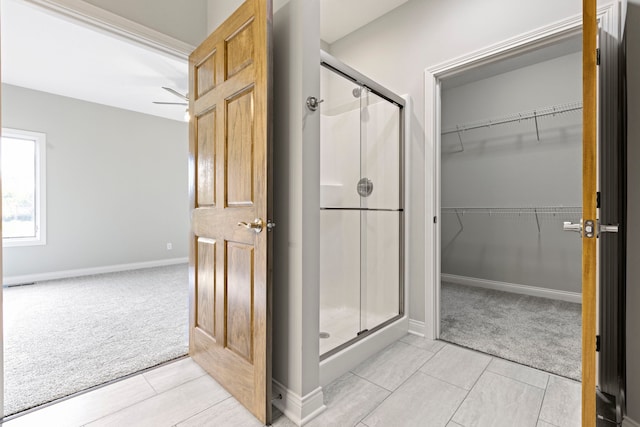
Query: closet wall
{"points": [[505, 166]]}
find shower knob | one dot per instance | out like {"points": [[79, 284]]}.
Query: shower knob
{"points": [[365, 187]]}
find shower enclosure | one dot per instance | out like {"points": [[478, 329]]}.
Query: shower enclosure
{"points": [[361, 206]]}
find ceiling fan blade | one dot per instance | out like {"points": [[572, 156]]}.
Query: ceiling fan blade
{"points": [[170, 103], [175, 92]]}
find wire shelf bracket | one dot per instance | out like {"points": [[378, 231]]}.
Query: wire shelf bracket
{"points": [[518, 117]]}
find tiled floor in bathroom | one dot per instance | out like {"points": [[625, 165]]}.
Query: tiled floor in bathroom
{"points": [[413, 382]]}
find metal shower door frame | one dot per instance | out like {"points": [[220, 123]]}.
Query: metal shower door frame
{"points": [[340, 68]]}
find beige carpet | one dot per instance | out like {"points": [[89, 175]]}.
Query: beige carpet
{"points": [[537, 332], [65, 336]]}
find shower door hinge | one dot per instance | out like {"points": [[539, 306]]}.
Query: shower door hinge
{"points": [[598, 200], [598, 56], [597, 343], [362, 332]]}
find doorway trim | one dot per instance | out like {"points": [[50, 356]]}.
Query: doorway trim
{"points": [[433, 77]]}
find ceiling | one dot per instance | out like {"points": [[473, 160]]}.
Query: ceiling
{"points": [[46, 52]]}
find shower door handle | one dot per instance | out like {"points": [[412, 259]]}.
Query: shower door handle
{"points": [[257, 225], [313, 103]]}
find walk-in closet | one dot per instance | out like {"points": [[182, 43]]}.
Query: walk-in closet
{"points": [[510, 176]]}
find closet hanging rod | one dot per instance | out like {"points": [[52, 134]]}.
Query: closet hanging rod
{"points": [[528, 115]]}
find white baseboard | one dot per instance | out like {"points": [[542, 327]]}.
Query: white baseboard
{"points": [[514, 288], [628, 422], [41, 277], [417, 328], [299, 409]]}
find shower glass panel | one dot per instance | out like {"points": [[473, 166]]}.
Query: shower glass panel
{"points": [[361, 217]]}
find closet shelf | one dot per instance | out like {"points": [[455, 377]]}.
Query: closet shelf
{"points": [[553, 110], [516, 211], [536, 211]]}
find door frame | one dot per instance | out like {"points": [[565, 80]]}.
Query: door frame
{"points": [[607, 17], [433, 81], [91, 16]]}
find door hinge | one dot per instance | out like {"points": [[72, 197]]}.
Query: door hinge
{"points": [[597, 343], [598, 200], [598, 56], [435, 219]]}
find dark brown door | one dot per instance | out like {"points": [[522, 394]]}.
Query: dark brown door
{"points": [[230, 289]]}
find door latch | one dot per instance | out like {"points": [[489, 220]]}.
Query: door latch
{"points": [[589, 228]]}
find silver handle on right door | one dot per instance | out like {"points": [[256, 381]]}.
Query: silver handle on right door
{"points": [[608, 228], [570, 226]]}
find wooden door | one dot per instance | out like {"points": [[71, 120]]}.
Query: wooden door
{"points": [[229, 186], [589, 195]]}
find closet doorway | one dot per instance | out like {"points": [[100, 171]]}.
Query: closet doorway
{"points": [[510, 176]]}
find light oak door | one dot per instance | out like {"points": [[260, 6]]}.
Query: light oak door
{"points": [[589, 195], [230, 199]]}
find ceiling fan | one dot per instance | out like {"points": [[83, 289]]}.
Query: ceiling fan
{"points": [[185, 103], [176, 93]]}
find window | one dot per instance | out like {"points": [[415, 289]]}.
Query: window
{"points": [[23, 187]]}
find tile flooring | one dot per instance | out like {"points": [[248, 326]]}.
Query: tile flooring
{"points": [[413, 382]]}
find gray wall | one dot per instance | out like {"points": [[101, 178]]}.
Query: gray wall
{"points": [[505, 166], [116, 184], [182, 20], [632, 35], [218, 11], [296, 197], [396, 49]]}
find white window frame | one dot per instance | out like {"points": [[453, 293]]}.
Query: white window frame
{"points": [[40, 140]]}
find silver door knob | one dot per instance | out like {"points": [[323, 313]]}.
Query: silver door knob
{"points": [[257, 225], [608, 228]]}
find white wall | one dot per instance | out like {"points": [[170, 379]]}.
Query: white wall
{"points": [[632, 29], [396, 49], [506, 166], [116, 184], [183, 20]]}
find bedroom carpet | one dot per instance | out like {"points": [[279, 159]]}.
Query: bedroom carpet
{"points": [[64, 336], [537, 332]]}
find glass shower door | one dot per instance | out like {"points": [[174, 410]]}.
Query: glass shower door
{"points": [[339, 212], [361, 211], [380, 209]]}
